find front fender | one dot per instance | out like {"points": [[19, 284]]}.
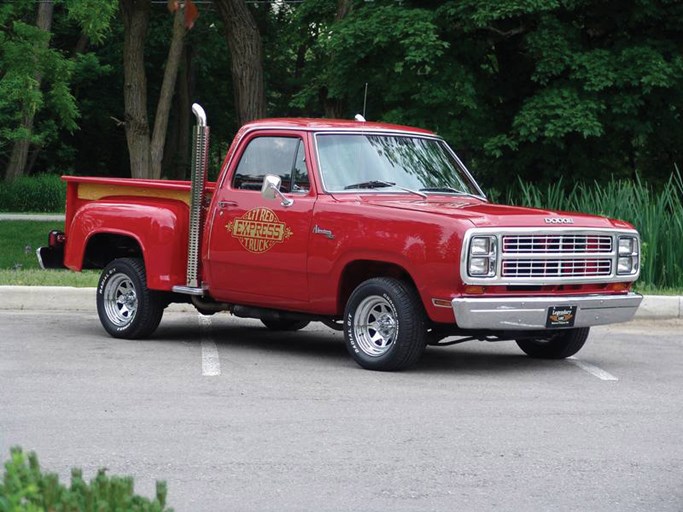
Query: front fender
{"points": [[159, 227]]}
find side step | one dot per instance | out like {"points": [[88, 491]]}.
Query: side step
{"points": [[189, 290]]}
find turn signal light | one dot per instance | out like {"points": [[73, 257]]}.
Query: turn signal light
{"points": [[475, 290], [620, 287], [442, 303]]}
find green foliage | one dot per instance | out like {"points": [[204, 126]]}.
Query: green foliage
{"points": [[554, 113], [39, 69], [25, 56], [533, 88], [93, 16], [590, 89], [27, 488], [42, 193], [656, 213], [386, 46]]}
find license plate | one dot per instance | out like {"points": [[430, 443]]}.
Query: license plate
{"points": [[560, 316]]}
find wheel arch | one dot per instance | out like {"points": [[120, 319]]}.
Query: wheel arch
{"points": [[152, 229], [357, 271], [101, 248]]}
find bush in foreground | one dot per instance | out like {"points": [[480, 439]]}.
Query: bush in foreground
{"points": [[26, 488]]}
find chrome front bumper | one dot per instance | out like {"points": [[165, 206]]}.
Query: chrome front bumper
{"points": [[520, 313]]}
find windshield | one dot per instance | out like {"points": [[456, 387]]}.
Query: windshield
{"points": [[354, 161]]}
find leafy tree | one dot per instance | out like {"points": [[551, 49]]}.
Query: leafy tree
{"points": [[35, 77], [581, 88], [537, 88]]}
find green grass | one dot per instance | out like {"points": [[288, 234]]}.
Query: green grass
{"points": [[39, 277], [19, 240]]}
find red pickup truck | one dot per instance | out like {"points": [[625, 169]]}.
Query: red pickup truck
{"points": [[372, 228]]}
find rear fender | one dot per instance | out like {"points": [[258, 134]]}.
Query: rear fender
{"points": [[159, 227]]}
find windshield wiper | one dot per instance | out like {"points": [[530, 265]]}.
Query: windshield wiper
{"points": [[381, 184], [370, 184], [450, 190]]}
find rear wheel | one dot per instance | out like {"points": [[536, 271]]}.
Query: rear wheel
{"points": [[384, 325], [126, 307], [285, 325], [558, 345]]}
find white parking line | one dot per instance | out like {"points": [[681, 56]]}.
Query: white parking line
{"points": [[211, 363], [593, 370]]}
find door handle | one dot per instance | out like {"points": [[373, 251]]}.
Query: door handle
{"points": [[227, 204]]}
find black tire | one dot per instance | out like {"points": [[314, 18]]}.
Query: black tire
{"points": [[384, 325], [558, 345], [285, 325], [126, 307]]}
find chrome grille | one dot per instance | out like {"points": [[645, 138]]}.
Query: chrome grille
{"points": [[560, 243], [544, 256], [543, 268]]}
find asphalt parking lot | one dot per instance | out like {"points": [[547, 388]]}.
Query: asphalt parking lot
{"points": [[235, 417]]}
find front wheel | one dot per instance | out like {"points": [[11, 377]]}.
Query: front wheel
{"points": [[384, 325], [560, 345], [126, 307]]}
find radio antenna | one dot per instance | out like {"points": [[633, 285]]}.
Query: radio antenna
{"points": [[365, 98]]}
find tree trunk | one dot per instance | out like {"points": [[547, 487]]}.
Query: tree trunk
{"points": [[246, 55], [135, 15], [344, 7], [185, 92], [19, 155], [175, 53]]}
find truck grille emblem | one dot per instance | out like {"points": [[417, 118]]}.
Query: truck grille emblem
{"points": [[559, 220]]}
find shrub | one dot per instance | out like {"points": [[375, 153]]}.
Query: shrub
{"points": [[41, 193], [25, 488]]}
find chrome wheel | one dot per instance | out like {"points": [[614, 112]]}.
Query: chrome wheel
{"points": [[384, 324], [126, 307], [375, 326], [120, 300]]}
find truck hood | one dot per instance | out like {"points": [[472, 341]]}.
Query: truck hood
{"points": [[484, 214]]}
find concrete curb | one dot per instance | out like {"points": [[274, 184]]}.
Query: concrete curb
{"points": [[660, 307], [47, 298], [57, 298], [40, 217], [66, 298]]}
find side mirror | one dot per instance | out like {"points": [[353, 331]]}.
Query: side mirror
{"points": [[271, 189]]}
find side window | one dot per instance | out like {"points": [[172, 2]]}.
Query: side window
{"points": [[271, 155]]}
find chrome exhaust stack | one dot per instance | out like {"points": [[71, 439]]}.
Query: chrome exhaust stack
{"points": [[200, 160]]}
